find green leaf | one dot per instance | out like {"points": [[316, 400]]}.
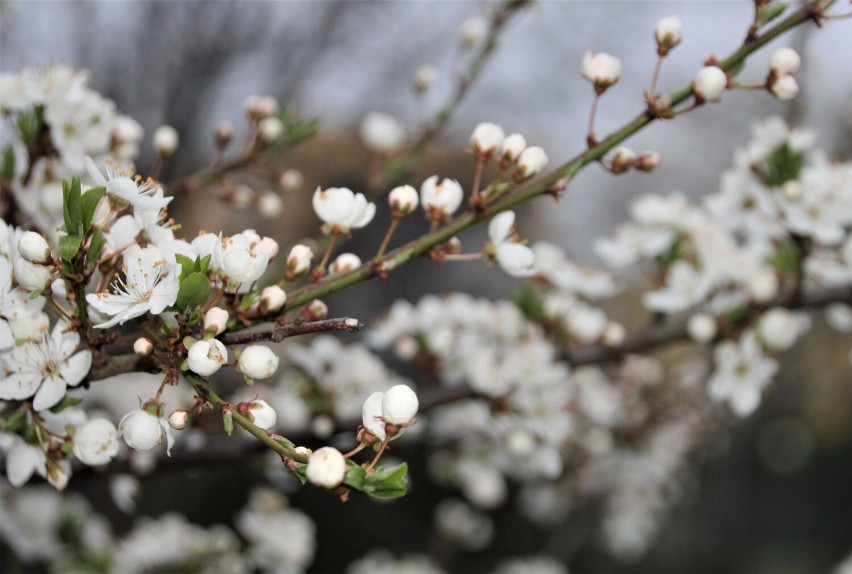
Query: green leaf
{"points": [[89, 204], [72, 208], [770, 12], [67, 401], [187, 265], [672, 255], [7, 172], [782, 165], [301, 473], [16, 422], [69, 245], [355, 477], [228, 422], [95, 245], [301, 131], [193, 291], [387, 483], [203, 263], [529, 303], [786, 260]]}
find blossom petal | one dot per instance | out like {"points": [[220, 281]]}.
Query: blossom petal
{"points": [[50, 392], [17, 386], [75, 369], [500, 227], [21, 462]]}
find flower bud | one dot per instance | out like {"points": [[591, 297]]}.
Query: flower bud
{"points": [[267, 106], [268, 245], [512, 147], [669, 33], [96, 442], [614, 334], [403, 200], [601, 69], [440, 200], [224, 133], [142, 430], [207, 356], [701, 327], [291, 179], [270, 129], [240, 196], [785, 62], [143, 347], [262, 414], [326, 467], [382, 133], [371, 416], [257, 362], [778, 329], [272, 298], [486, 139], [178, 419], [269, 204], [399, 405], [316, 310], [532, 160], [784, 88], [623, 160], [299, 260], [165, 140], [345, 262], [709, 84], [472, 31], [215, 321], [33, 247], [647, 161], [424, 78], [31, 277]]}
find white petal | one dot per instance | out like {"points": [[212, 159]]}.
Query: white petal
{"points": [[21, 462], [94, 172], [17, 386], [6, 338], [50, 392], [75, 369], [500, 227]]}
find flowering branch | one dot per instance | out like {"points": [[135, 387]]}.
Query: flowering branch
{"points": [[279, 333]]}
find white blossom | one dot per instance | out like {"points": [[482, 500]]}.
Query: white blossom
{"points": [[440, 200], [165, 140], [710, 83], [785, 61], [216, 320], [486, 139], [326, 467], [531, 161], [258, 362], [142, 430], [668, 33], [207, 356], [342, 209], [403, 199], [382, 133], [399, 405], [96, 442], [263, 415], [371, 416], [742, 371], [145, 194], [33, 247], [601, 69]]}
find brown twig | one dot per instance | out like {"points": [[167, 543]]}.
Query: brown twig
{"points": [[279, 333]]}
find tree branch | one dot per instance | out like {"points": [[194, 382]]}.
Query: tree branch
{"points": [[279, 333]]}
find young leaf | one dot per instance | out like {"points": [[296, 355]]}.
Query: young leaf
{"points": [[770, 12], [67, 401], [187, 265], [69, 245], [355, 477], [228, 422], [7, 173], [72, 207], [193, 291], [387, 483], [95, 245], [529, 303], [90, 201]]}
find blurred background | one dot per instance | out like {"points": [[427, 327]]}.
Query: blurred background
{"points": [[771, 494]]}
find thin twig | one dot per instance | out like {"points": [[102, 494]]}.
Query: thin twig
{"points": [[279, 333]]}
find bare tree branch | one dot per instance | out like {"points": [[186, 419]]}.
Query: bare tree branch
{"points": [[279, 333]]}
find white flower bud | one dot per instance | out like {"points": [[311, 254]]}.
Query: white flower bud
{"points": [[291, 179], [345, 262], [216, 320], [269, 246], [601, 69], [513, 146], [31, 277], [326, 467], [472, 31], [668, 33], [785, 88], [263, 415], [240, 196], [486, 139], [614, 334], [270, 129], [272, 298], [785, 62], [709, 84], [207, 356], [371, 416], [778, 329], [165, 140], [424, 78], [440, 200], [701, 327], [143, 347], [763, 285], [33, 247], [268, 106], [316, 310], [224, 133], [299, 259], [96, 442], [382, 133], [178, 419], [623, 160], [531, 161], [258, 362], [322, 426], [403, 199], [648, 161], [269, 204], [142, 430], [399, 405]]}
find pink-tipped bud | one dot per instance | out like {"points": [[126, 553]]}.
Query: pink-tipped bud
{"points": [[178, 419], [648, 161], [623, 160], [143, 347]]}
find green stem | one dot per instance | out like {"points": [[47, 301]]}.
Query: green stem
{"points": [[203, 391], [540, 186]]}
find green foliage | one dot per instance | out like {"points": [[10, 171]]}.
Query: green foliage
{"points": [[228, 422], [782, 165], [786, 260], [67, 401], [530, 304], [78, 210], [387, 483], [17, 422], [7, 171], [194, 284], [770, 12]]}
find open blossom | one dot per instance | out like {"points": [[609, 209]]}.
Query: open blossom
{"points": [[96, 442], [341, 208], [149, 284], [742, 372], [44, 367], [440, 200], [514, 258], [241, 257], [123, 185]]}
